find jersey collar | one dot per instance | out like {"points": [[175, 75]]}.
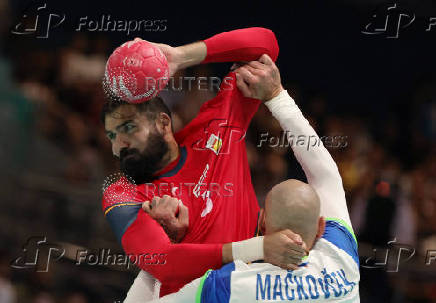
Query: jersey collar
{"points": [[175, 166]]}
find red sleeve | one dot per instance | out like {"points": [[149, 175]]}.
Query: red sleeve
{"points": [[246, 44], [228, 116], [176, 264]]}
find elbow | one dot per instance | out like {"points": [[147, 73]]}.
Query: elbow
{"points": [[270, 42]]}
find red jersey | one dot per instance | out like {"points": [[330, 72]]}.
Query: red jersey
{"points": [[211, 177]]}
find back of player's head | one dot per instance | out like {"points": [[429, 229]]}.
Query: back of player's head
{"points": [[293, 205], [151, 108]]}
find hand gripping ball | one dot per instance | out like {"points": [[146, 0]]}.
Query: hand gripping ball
{"points": [[136, 71]]}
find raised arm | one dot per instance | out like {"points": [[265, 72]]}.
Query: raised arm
{"points": [[245, 44], [261, 78], [238, 45], [320, 168]]}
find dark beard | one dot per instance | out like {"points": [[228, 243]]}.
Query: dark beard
{"points": [[141, 167]]}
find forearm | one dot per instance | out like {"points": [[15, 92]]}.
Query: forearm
{"points": [[317, 163], [177, 263], [191, 54], [239, 45], [245, 44]]}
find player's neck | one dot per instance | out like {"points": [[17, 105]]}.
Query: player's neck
{"points": [[171, 156], [174, 151]]}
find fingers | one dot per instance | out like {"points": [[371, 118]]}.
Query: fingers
{"points": [[154, 202], [146, 207], [243, 87], [265, 59], [183, 215], [165, 208], [257, 71], [257, 65], [295, 243], [246, 74], [293, 236], [293, 261], [295, 249], [170, 204]]}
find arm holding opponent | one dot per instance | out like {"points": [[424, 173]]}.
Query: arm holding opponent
{"points": [[321, 170]]}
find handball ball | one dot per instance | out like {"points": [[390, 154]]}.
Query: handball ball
{"points": [[136, 71]]}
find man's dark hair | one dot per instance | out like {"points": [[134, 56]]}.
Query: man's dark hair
{"points": [[152, 108]]}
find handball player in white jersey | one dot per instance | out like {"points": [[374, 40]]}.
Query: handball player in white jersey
{"points": [[317, 211]]}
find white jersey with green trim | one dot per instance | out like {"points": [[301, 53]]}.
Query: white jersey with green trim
{"points": [[329, 274], [331, 271]]}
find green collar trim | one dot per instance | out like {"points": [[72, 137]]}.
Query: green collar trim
{"points": [[344, 224], [200, 287]]}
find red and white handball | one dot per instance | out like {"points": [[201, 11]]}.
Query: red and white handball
{"points": [[136, 71]]}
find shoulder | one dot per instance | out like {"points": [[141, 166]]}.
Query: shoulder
{"points": [[121, 204], [215, 284], [341, 235]]}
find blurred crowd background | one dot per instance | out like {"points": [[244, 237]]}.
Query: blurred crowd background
{"points": [[55, 156]]}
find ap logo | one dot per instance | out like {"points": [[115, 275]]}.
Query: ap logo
{"points": [[389, 21], [37, 20]]}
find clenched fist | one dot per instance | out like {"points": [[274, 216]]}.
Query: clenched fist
{"points": [[171, 214]]}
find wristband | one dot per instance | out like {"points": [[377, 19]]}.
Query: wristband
{"points": [[248, 250]]}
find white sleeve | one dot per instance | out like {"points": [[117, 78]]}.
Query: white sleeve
{"points": [[143, 289], [187, 294], [320, 168]]}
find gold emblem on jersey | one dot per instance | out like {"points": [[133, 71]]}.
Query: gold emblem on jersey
{"points": [[214, 143]]}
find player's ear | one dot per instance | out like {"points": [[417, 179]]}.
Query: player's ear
{"points": [[262, 221], [321, 227], [164, 123]]}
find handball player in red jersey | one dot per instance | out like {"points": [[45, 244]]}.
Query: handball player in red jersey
{"points": [[200, 173]]}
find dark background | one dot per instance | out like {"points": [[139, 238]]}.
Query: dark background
{"points": [[378, 92]]}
